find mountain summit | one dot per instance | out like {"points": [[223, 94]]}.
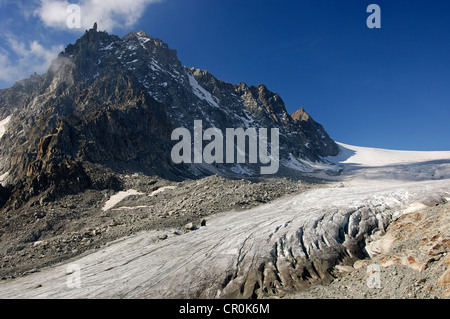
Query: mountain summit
{"points": [[109, 104]]}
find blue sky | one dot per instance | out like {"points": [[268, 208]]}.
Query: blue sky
{"points": [[387, 87]]}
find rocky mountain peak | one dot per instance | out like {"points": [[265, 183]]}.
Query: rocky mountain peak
{"points": [[143, 33], [300, 115]]}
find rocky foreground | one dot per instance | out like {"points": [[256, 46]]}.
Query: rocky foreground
{"points": [[411, 260], [271, 250]]}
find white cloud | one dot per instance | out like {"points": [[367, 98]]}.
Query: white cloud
{"points": [[27, 58], [109, 14], [53, 13]]}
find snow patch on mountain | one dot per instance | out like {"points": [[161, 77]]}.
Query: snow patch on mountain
{"points": [[3, 178], [117, 198], [3, 124], [296, 164], [200, 92]]}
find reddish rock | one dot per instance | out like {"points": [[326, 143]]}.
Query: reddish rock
{"points": [[444, 281], [447, 260]]}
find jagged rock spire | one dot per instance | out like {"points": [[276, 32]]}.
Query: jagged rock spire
{"points": [[300, 115]]}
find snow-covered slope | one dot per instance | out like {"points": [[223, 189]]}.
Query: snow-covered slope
{"points": [[362, 165], [376, 157]]}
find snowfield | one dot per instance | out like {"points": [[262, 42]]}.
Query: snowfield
{"points": [[365, 165], [375, 157], [272, 248]]}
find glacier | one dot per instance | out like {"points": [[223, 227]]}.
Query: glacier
{"points": [[274, 248]]}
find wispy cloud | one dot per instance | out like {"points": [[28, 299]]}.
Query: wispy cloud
{"points": [[23, 59], [109, 14]]}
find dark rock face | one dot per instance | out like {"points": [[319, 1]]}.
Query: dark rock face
{"points": [[317, 138], [112, 103], [4, 195]]}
